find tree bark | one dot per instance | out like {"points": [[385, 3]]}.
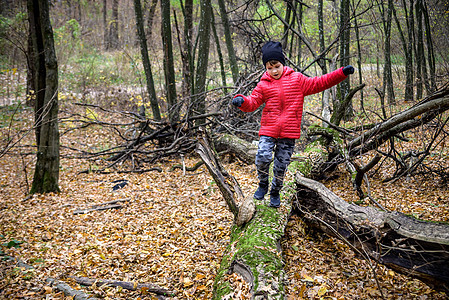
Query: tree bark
{"points": [[203, 58], [187, 64], [169, 69], [146, 64], [407, 245], [46, 173], [345, 36], [408, 95], [113, 28], [229, 42], [430, 49], [219, 52], [242, 149], [387, 88], [420, 58], [105, 25]]}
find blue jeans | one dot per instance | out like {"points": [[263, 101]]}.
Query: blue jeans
{"points": [[283, 150]]}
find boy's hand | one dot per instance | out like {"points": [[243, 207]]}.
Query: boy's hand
{"points": [[348, 70], [238, 101]]}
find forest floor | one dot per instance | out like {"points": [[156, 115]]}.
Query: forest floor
{"points": [[173, 228]]}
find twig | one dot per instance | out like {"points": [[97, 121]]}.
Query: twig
{"points": [[102, 206], [133, 286]]}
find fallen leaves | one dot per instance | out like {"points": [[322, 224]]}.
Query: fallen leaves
{"points": [[173, 231]]}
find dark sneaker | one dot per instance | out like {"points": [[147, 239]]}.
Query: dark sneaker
{"points": [[261, 191], [275, 199]]}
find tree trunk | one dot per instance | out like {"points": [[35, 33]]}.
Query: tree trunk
{"points": [[113, 28], [31, 71], [203, 58], [325, 103], [229, 42], [146, 64], [287, 25], [359, 60], [408, 95], [345, 36], [420, 58], [105, 25], [46, 174], [300, 23], [188, 65], [407, 245], [388, 78], [169, 69], [150, 19], [219, 53], [410, 43], [430, 50]]}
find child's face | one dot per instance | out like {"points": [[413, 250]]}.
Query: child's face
{"points": [[275, 70]]}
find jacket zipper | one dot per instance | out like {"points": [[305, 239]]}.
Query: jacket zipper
{"points": [[282, 104]]}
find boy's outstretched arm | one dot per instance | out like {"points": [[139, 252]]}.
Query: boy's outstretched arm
{"points": [[250, 103], [313, 85]]}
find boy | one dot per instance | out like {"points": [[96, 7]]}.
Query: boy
{"points": [[282, 90]]}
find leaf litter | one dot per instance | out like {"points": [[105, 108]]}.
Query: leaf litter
{"points": [[171, 231]]}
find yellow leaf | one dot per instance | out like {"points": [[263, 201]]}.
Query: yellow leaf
{"points": [[90, 114], [187, 282], [322, 290], [308, 278], [199, 276]]}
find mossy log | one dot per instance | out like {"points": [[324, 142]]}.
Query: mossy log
{"points": [[252, 265], [407, 245], [254, 253]]}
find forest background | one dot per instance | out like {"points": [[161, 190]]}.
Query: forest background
{"points": [[172, 225]]}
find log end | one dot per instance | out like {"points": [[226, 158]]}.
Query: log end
{"points": [[246, 211]]}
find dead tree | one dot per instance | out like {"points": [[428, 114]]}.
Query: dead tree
{"points": [[253, 254], [407, 245]]}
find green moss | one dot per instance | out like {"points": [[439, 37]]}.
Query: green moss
{"points": [[253, 244]]}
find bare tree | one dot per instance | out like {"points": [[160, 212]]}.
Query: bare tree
{"points": [[146, 63], [203, 57], [46, 173], [169, 70], [229, 42]]}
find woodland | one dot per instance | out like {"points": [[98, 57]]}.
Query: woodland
{"points": [[126, 173]]}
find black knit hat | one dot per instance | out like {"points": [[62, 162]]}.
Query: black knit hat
{"points": [[272, 51]]}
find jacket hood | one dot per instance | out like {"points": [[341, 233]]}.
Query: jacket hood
{"points": [[267, 77]]}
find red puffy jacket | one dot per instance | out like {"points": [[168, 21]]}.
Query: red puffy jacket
{"points": [[284, 99]]}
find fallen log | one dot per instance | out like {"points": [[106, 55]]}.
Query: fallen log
{"points": [[133, 286], [244, 150], [254, 256], [412, 247], [68, 290]]}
